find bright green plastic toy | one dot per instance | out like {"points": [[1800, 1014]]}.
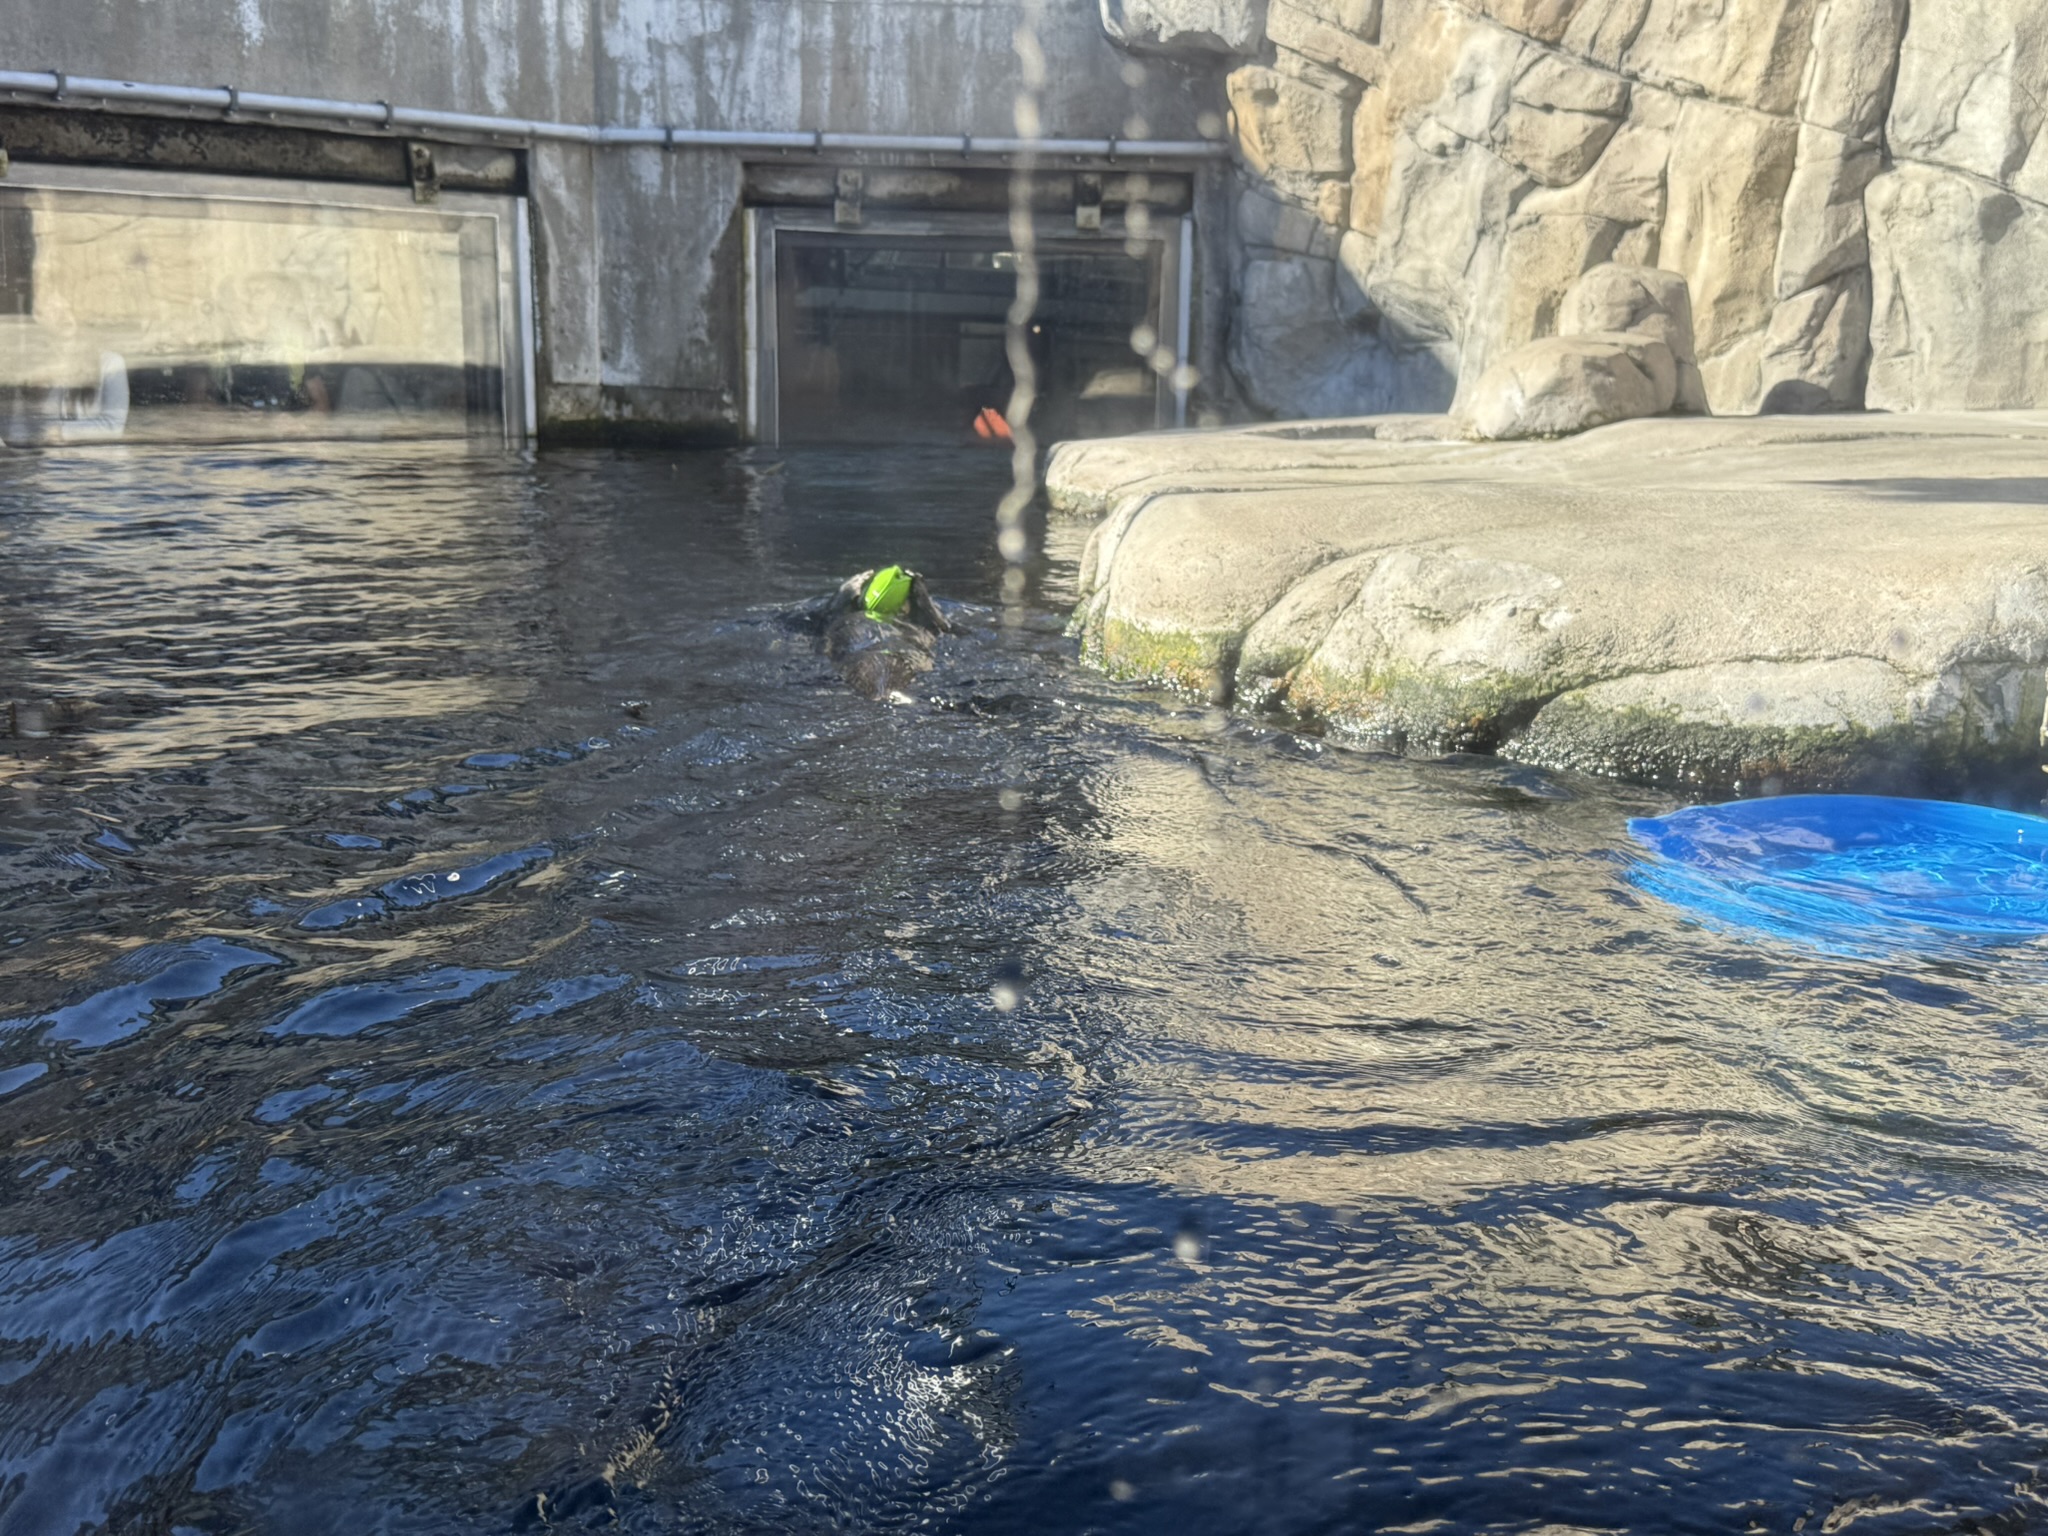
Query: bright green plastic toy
{"points": [[888, 590]]}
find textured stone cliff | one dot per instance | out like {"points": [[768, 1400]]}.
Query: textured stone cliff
{"points": [[1856, 191]]}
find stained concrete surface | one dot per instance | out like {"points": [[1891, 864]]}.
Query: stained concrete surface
{"points": [[1727, 604]]}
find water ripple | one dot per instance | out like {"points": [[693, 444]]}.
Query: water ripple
{"points": [[1040, 1106]]}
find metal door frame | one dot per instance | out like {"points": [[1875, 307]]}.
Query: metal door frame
{"points": [[1172, 236]]}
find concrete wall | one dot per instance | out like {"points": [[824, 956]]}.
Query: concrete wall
{"points": [[639, 249], [670, 347]]}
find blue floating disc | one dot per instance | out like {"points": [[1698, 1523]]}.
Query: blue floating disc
{"points": [[1852, 872]]}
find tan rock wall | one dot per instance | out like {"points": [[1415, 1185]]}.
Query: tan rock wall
{"points": [[1857, 197], [1958, 225]]}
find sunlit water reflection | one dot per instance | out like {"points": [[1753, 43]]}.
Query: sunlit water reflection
{"points": [[497, 1035]]}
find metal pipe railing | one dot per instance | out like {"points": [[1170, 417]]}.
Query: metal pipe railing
{"points": [[130, 95]]}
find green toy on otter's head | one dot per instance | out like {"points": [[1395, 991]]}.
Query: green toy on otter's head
{"points": [[887, 592]]}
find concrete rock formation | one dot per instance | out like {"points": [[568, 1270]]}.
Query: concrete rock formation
{"points": [[1645, 302], [1624, 350], [1721, 605], [1567, 384], [1854, 191]]}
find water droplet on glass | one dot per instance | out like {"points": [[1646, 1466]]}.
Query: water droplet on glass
{"points": [[1007, 990]]}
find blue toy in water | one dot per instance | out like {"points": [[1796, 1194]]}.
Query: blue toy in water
{"points": [[1853, 873]]}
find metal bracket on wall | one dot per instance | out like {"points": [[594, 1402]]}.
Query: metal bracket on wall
{"points": [[426, 180], [1088, 201], [846, 207]]}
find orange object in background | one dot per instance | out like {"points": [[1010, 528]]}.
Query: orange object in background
{"points": [[991, 427]]}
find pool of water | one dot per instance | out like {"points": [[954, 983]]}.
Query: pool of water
{"points": [[494, 1035]]}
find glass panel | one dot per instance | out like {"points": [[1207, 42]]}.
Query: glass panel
{"points": [[901, 338], [128, 315]]}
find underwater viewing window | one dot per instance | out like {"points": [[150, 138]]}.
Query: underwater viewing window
{"points": [[169, 307], [896, 333]]}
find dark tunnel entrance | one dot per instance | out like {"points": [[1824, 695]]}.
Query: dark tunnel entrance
{"points": [[900, 336]]}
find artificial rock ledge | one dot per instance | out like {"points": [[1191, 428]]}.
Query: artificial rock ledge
{"points": [[1624, 349], [1718, 604]]}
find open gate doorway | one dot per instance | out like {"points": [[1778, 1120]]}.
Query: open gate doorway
{"points": [[896, 332]]}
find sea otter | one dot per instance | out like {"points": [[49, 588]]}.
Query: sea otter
{"points": [[878, 628]]}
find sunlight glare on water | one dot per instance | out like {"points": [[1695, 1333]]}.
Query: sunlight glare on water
{"points": [[494, 1034]]}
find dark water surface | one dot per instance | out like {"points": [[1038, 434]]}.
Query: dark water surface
{"points": [[496, 1036]]}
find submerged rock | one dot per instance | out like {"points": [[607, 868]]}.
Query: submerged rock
{"points": [[1807, 603]]}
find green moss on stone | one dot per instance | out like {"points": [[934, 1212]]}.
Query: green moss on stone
{"points": [[1184, 660], [1652, 746], [1524, 718], [1420, 710]]}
